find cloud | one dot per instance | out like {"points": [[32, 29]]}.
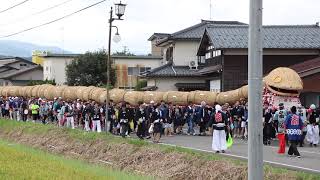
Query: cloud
{"points": [[88, 30]]}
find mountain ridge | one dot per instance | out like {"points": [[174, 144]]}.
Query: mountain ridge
{"points": [[24, 49]]}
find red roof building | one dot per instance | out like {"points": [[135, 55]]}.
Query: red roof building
{"points": [[309, 71]]}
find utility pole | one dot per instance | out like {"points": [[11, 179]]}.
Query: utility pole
{"points": [[119, 11], [108, 71], [255, 152]]}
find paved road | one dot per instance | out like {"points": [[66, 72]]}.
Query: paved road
{"points": [[310, 160]]}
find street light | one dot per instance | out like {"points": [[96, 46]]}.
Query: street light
{"points": [[120, 9], [116, 38]]}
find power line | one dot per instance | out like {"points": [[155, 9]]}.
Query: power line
{"points": [[36, 13], [2, 11], [52, 7], [53, 21]]}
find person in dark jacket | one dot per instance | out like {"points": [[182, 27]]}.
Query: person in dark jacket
{"points": [[177, 120], [168, 121], [157, 124], [149, 110], [190, 117], [219, 142], [112, 116], [96, 118], [141, 121], [124, 121], [293, 126], [203, 118], [267, 125], [24, 107]]}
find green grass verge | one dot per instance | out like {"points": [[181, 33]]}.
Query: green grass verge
{"points": [[21, 162], [32, 128]]}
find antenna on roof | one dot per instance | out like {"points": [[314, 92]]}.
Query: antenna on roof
{"points": [[210, 10]]}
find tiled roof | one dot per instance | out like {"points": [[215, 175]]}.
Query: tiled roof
{"points": [[286, 36], [4, 62], [307, 68], [138, 57], [60, 55], [306, 65], [5, 59], [169, 70], [21, 71], [210, 69], [196, 31], [158, 35]]}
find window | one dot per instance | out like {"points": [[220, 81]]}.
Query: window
{"points": [[212, 53], [133, 71], [23, 65], [208, 55], [209, 47], [218, 53], [47, 68], [201, 60], [169, 54], [144, 70]]}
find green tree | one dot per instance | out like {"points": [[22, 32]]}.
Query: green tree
{"points": [[40, 82], [89, 69], [141, 84], [124, 52]]}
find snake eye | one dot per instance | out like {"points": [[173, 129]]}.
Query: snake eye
{"points": [[277, 79]]}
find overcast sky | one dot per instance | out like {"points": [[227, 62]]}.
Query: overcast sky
{"points": [[87, 31]]}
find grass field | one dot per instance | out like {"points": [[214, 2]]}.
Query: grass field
{"points": [[21, 162]]}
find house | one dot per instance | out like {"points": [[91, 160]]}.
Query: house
{"points": [[309, 72], [225, 51], [54, 66], [129, 68], [15, 71], [181, 63], [154, 39], [181, 47]]}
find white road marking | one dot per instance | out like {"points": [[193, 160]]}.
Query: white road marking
{"points": [[244, 157]]}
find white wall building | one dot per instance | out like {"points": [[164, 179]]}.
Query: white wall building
{"points": [[54, 67]]}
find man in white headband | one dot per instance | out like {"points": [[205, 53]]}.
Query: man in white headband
{"points": [[219, 143]]}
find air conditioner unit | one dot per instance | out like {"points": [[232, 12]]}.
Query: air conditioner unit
{"points": [[193, 64]]}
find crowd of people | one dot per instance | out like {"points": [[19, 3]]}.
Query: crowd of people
{"points": [[291, 126], [154, 120]]}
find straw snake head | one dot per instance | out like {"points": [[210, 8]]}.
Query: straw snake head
{"points": [[284, 81]]}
